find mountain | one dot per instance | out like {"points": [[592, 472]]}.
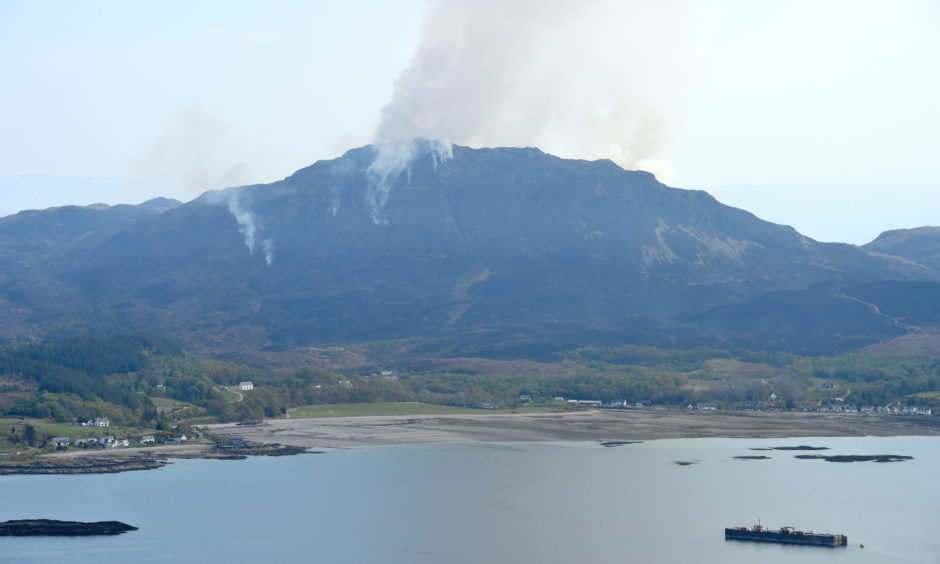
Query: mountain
{"points": [[35, 244], [61, 229], [921, 245], [33, 191], [447, 251]]}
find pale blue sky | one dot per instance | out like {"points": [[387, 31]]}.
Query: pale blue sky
{"points": [[822, 115]]}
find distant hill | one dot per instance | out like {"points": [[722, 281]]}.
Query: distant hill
{"points": [[39, 191], [921, 245], [492, 252]]}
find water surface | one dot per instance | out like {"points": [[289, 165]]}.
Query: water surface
{"points": [[562, 502]]}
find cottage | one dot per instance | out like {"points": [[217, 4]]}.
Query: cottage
{"points": [[147, 440], [111, 442], [245, 386], [61, 443], [100, 422]]}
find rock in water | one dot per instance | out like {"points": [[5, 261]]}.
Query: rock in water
{"points": [[51, 527]]}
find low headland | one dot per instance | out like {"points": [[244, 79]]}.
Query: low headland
{"points": [[142, 458]]}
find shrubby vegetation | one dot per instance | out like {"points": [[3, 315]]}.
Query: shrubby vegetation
{"points": [[134, 378]]}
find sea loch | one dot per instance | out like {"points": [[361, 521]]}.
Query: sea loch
{"points": [[558, 502]]}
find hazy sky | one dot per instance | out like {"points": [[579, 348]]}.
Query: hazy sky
{"points": [[823, 115]]}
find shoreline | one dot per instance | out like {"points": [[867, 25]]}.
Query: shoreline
{"points": [[279, 437]]}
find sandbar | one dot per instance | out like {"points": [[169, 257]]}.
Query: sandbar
{"points": [[582, 425]]}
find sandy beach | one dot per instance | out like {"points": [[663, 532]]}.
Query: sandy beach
{"points": [[599, 426], [278, 437]]}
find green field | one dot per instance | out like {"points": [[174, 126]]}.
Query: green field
{"points": [[400, 408], [229, 395], [46, 429], [180, 409]]}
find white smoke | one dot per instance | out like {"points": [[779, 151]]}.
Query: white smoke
{"points": [[392, 160], [588, 80], [335, 200], [267, 246], [246, 220]]}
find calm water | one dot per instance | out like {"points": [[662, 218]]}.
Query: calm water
{"points": [[573, 502]]}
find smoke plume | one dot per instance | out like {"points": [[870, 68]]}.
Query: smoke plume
{"points": [[392, 160], [576, 79], [246, 220]]}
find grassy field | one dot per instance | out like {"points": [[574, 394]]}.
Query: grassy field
{"points": [[229, 395], [400, 408], [167, 406]]}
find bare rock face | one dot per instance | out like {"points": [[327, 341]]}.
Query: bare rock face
{"points": [[51, 527]]}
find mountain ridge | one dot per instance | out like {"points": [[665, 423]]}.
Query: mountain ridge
{"points": [[460, 246]]}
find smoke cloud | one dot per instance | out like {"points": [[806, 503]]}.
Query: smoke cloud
{"points": [[193, 152], [583, 80]]}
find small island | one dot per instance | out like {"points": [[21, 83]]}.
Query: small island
{"points": [[51, 527]]}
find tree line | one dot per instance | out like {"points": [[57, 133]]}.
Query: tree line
{"points": [[123, 376]]}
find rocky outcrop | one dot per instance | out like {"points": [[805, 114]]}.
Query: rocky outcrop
{"points": [[51, 527], [114, 462]]}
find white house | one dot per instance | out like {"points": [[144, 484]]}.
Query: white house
{"points": [[100, 422], [588, 403], [246, 386]]}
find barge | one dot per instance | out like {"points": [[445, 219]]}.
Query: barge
{"points": [[785, 535]]}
